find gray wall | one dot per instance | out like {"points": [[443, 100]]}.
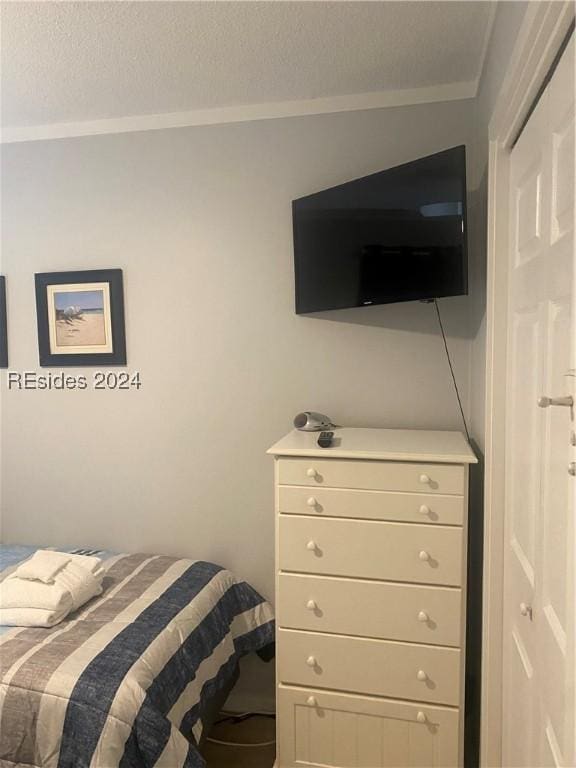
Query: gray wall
{"points": [[199, 220]]}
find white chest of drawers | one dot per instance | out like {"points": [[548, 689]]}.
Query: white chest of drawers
{"points": [[370, 598]]}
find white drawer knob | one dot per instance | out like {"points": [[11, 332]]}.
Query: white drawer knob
{"points": [[422, 616], [311, 661], [311, 501], [311, 472], [424, 479], [422, 675], [424, 556], [311, 546], [311, 605], [421, 717], [311, 701], [424, 510]]}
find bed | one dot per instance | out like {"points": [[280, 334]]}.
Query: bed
{"points": [[132, 679]]}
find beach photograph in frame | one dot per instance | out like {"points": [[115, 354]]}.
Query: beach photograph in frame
{"points": [[81, 318], [3, 325]]}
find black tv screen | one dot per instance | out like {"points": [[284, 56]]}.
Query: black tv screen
{"points": [[396, 235]]}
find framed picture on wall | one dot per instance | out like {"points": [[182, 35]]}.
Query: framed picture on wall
{"points": [[81, 318], [3, 325]]}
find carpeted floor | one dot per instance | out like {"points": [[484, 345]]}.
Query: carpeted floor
{"points": [[255, 729]]}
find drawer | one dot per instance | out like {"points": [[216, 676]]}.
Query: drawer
{"points": [[343, 731], [370, 609], [371, 505], [427, 554], [377, 667], [372, 475]]}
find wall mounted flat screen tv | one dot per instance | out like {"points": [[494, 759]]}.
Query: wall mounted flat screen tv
{"points": [[396, 235]]}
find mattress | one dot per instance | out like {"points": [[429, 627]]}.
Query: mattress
{"points": [[130, 679]]}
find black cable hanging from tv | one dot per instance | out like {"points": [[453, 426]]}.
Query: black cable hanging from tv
{"points": [[451, 369]]}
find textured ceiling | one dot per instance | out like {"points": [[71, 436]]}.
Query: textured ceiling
{"points": [[82, 61]]}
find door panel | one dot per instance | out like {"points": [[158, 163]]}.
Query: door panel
{"points": [[528, 210], [524, 441], [539, 638], [518, 730]]}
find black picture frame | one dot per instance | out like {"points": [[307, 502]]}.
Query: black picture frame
{"points": [[3, 325], [110, 285]]}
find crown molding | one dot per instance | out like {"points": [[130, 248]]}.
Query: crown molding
{"points": [[242, 113], [543, 29]]}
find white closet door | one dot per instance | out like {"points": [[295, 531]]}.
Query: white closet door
{"points": [[539, 596]]}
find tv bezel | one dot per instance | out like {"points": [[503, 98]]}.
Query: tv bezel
{"points": [[423, 297]]}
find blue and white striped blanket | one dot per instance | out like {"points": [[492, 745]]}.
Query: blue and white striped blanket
{"points": [[127, 680]]}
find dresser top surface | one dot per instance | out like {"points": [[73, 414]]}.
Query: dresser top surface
{"points": [[380, 444]]}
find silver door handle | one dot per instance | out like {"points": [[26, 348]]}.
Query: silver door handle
{"points": [[546, 402]]}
